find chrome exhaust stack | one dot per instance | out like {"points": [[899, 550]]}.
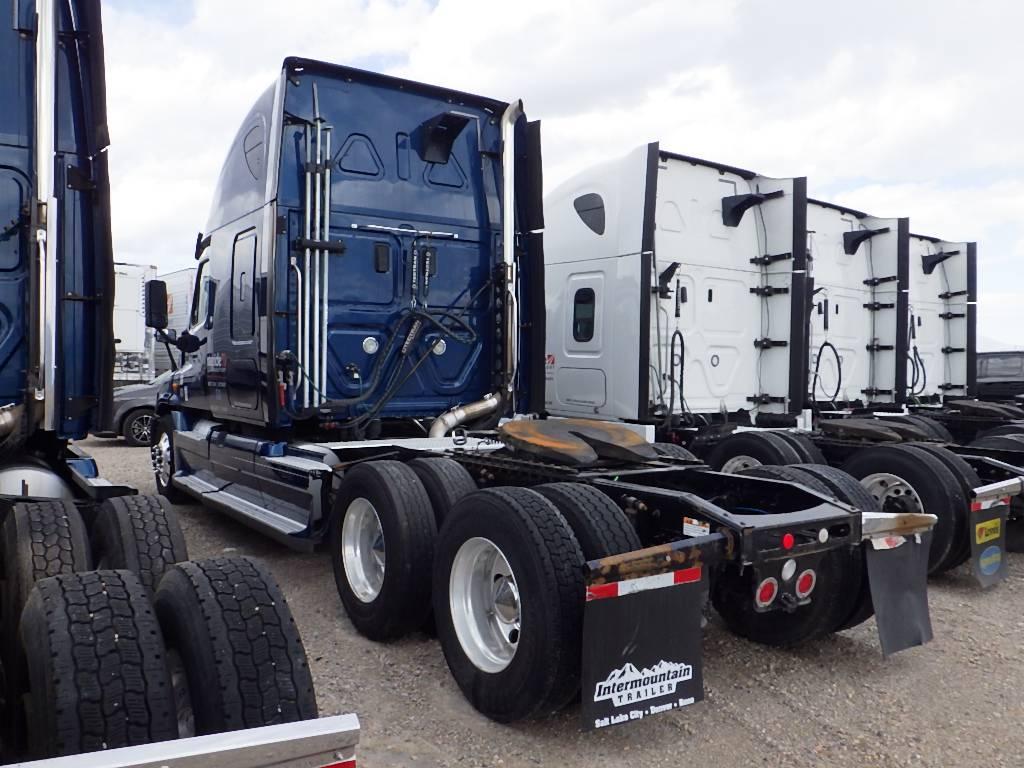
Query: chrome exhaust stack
{"points": [[462, 414]]}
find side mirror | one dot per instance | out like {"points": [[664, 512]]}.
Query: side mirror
{"points": [[156, 304]]}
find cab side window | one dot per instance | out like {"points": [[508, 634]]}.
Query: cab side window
{"points": [[202, 297], [584, 307]]}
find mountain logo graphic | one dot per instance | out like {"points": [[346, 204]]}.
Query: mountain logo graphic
{"points": [[629, 685]]}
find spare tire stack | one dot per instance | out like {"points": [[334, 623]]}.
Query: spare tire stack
{"points": [[108, 658]]}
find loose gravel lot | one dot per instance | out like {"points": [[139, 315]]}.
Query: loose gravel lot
{"points": [[957, 701]]}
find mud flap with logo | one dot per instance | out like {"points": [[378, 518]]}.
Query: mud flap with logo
{"points": [[898, 576], [988, 540], [642, 632]]}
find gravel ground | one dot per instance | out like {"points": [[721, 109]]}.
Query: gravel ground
{"points": [[956, 701]]}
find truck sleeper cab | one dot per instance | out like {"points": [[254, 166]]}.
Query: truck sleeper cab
{"points": [[369, 307]]}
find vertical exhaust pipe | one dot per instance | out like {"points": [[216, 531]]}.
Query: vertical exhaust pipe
{"points": [[326, 302]]}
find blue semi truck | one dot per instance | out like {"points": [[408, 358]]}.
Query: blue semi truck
{"points": [[112, 642], [364, 369]]}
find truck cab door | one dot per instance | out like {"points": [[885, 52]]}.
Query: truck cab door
{"points": [[241, 366]]}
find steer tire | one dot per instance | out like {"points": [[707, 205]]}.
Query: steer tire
{"points": [[96, 664], [39, 539], [139, 534], [808, 452], [761, 447], [402, 506], [164, 426], [231, 637], [445, 481], [543, 673], [600, 526], [935, 485], [673, 451]]}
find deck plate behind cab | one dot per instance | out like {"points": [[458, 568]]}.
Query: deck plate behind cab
{"points": [[578, 442]]}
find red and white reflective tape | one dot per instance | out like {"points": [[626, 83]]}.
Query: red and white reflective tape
{"points": [[643, 583], [980, 506]]}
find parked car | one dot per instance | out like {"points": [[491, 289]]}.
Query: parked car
{"points": [[134, 412], [1000, 375]]}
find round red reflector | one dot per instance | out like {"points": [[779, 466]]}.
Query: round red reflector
{"points": [[766, 592], [805, 583], [788, 541]]}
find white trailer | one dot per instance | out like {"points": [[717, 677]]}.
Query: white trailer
{"points": [[133, 360], [179, 306]]}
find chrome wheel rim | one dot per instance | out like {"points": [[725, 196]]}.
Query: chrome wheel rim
{"points": [[362, 550], [161, 453], [182, 695], [741, 462], [142, 429], [893, 491], [485, 605]]}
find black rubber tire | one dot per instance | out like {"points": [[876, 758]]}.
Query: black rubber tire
{"points": [[935, 428], [600, 526], [673, 451], [934, 484], [1007, 442], [789, 475], [857, 590], [169, 492], [407, 521], [544, 674], [228, 622], [843, 486], [968, 479], [39, 539], [1005, 429], [732, 595], [445, 481], [805, 448], [765, 447], [96, 666], [139, 534], [128, 428]]}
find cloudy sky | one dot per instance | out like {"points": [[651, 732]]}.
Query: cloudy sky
{"points": [[901, 109]]}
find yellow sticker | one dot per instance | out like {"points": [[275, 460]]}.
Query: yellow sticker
{"points": [[986, 531]]}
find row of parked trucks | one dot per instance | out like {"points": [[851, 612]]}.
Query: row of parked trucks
{"points": [[487, 408]]}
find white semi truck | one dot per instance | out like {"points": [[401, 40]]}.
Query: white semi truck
{"points": [[732, 314], [133, 344]]}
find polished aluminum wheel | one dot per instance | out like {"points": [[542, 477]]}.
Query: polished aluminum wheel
{"points": [[485, 605], [362, 550], [737, 463], [893, 492], [162, 460]]}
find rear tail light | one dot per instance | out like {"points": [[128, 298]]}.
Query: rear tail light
{"points": [[788, 540], [805, 583], [767, 591]]}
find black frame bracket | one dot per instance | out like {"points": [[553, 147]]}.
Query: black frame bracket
{"points": [[853, 239], [770, 258], [734, 206]]}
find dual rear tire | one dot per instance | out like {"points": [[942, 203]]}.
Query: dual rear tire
{"points": [[501, 571]]}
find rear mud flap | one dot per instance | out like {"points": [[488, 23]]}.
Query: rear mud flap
{"points": [[988, 541], [642, 634], [898, 575]]}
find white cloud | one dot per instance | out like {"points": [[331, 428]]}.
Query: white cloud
{"points": [[899, 109]]}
